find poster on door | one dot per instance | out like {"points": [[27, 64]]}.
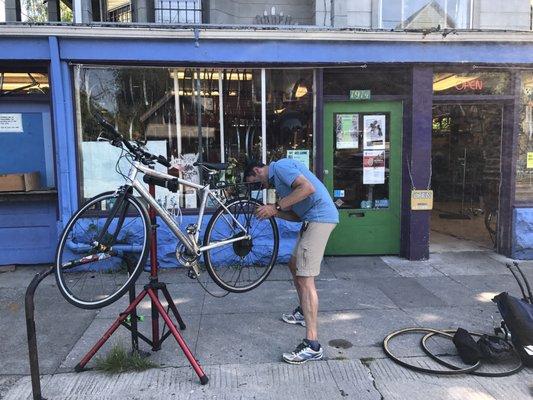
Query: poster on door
{"points": [[374, 132], [373, 167], [347, 131]]}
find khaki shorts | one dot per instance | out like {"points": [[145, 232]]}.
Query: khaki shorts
{"points": [[309, 251]]}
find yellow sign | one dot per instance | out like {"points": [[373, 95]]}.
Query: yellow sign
{"points": [[529, 160], [421, 199]]}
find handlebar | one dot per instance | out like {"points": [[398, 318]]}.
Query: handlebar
{"points": [[137, 151]]}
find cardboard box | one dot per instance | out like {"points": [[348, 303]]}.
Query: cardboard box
{"points": [[20, 182]]}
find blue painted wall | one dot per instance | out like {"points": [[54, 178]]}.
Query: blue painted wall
{"points": [[28, 232]]}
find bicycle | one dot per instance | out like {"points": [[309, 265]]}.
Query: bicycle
{"points": [[105, 244]]}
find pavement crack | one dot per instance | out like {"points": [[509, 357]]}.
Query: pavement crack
{"points": [[366, 364]]}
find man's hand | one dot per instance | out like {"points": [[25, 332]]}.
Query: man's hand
{"points": [[265, 212]]}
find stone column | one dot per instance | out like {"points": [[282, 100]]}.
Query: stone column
{"points": [[143, 10]]}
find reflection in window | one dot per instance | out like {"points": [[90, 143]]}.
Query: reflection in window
{"points": [[290, 115], [524, 169], [422, 14], [23, 83]]}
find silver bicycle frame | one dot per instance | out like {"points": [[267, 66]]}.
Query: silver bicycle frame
{"points": [[191, 242]]}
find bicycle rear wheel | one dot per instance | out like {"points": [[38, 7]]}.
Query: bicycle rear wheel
{"points": [[242, 265], [102, 250]]}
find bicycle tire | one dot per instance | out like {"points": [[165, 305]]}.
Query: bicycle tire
{"points": [[78, 260], [248, 207]]}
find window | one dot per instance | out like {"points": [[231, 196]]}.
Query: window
{"points": [[178, 11], [470, 83], [290, 115], [191, 114], [23, 83], [421, 14], [524, 167], [25, 126]]}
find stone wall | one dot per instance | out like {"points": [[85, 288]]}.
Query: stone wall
{"points": [[523, 234]]}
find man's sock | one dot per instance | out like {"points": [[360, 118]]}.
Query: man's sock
{"points": [[313, 344]]}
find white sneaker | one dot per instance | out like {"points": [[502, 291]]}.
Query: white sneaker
{"points": [[303, 353], [295, 318]]}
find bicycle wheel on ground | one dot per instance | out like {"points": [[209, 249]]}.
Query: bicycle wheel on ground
{"points": [[102, 250], [243, 265]]}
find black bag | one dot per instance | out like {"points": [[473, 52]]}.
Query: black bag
{"points": [[518, 317], [495, 349], [466, 346]]}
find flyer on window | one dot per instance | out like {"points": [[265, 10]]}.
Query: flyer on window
{"points": [[374, 132], [373, 167], [347, 131]]}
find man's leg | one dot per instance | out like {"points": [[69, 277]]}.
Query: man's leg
{"points": [[309, 304], [292, 268]]}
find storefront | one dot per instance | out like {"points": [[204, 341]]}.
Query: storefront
{"points": [[373, 119]]}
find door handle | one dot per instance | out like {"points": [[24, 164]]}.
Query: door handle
{"points": [[326, 172], [356, 214]]}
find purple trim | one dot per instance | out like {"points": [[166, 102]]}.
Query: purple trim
{"points": [[417, 153], [319, 135], [510, 123]]}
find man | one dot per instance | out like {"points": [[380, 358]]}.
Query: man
{"points": [[302, 198]]}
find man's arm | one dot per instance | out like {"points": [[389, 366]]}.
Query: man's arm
{"points": [[302, 189]]}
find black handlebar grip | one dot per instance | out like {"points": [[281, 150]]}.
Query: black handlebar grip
{"points": [[163, 161], [171, 185], [110, 128]]}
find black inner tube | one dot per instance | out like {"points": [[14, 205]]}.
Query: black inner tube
{"points": [[457, 371]]}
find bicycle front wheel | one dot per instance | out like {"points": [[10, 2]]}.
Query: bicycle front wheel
{"points": [[242, 265], [102, 250]]}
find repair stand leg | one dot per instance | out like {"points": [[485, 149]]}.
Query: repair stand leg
{"points": [[173, 307], [81, 365], [201, 374]]}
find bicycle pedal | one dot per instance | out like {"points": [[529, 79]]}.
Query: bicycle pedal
{"points": [[191, 273]]}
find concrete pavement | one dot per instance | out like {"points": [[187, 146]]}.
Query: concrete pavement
{"points": [[239, 339]]}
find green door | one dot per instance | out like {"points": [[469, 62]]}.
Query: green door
{"points": [[362, 171]]}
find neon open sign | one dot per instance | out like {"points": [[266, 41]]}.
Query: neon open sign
{"points": [[475, 84]]}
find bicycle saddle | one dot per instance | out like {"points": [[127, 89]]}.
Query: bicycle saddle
{"points": [[215, 166]]}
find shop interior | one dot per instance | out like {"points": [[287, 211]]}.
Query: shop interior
{"points": [[466, 173]]}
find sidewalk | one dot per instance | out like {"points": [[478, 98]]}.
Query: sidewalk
{"points": [[239, 339]]}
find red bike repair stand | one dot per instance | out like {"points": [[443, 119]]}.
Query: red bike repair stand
{"points": [[151, 290]]}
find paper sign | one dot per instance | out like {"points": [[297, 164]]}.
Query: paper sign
{"points": [[338, 193], [421, 199], [374, 131], [299, 155], [11, 123], [529, 160], [373, 167], [347, 131]]}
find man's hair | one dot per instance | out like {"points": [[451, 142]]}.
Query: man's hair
{"points": [[249, 168]]}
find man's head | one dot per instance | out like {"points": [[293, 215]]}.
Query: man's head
{"points": [[256, 171]]}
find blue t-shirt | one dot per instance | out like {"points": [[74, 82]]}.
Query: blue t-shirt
{"points": [[318, 207]]}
